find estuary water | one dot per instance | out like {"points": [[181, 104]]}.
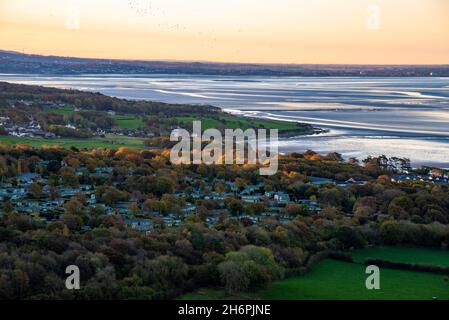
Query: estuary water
{"points": [[404, 117]]}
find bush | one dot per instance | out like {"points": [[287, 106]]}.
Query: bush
{"points": [[249, 269], [320, 256], [407, 266], [390, 233]]}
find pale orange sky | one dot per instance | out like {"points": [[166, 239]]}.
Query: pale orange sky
{"points": [[259, 31]]}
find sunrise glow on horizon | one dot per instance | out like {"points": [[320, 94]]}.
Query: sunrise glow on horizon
{"points": [[257, 31]]}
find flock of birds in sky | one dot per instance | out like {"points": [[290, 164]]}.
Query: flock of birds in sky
{"points": [[145, 8]]}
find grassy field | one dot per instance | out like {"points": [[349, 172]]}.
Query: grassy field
{"points": [[129, 122], [232, 122], [336, 280], [346, 281], [406, 255], [110, 141], [64, 111], [134, 122]]}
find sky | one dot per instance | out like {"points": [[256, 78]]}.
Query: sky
{"points": [[251, 31]]}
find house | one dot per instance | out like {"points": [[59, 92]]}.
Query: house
{"points": [[4, 192], [281, 198], [88, 189], [80, 171], [102, 172], [252, 219], [171, 221], [252, 188], [188, 209], [252, 198], [140, 225], [215, 196], [93, 199], [319, 181], [211, 220], [123, 206], [16, 193], [197, 194], [284, 218], [311, 205], [352, 181], [27, 206], [86, 228], [69, 192], [179, 194], [270, 194], [356, 181], [232, 186], [268, 214], [27, 178]]}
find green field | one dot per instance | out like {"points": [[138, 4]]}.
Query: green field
{"points": [[333, 279], [233, 122], [133, 122], [129, 122], [110, 141], [66, 110], [405, 255], [336, 280], [346, 281]]}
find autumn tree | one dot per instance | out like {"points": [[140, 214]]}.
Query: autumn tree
{"points": [[35, 190]]}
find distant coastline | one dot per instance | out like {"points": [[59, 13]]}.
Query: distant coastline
{"points": [[15, 62]]}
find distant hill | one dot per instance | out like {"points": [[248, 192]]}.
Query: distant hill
{"points": [[15, 62]]}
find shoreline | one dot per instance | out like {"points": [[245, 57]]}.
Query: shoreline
{"points": [[328, 133]]}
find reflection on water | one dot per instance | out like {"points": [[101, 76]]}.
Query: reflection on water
{"points": [[427, 151], [406, 117]]}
